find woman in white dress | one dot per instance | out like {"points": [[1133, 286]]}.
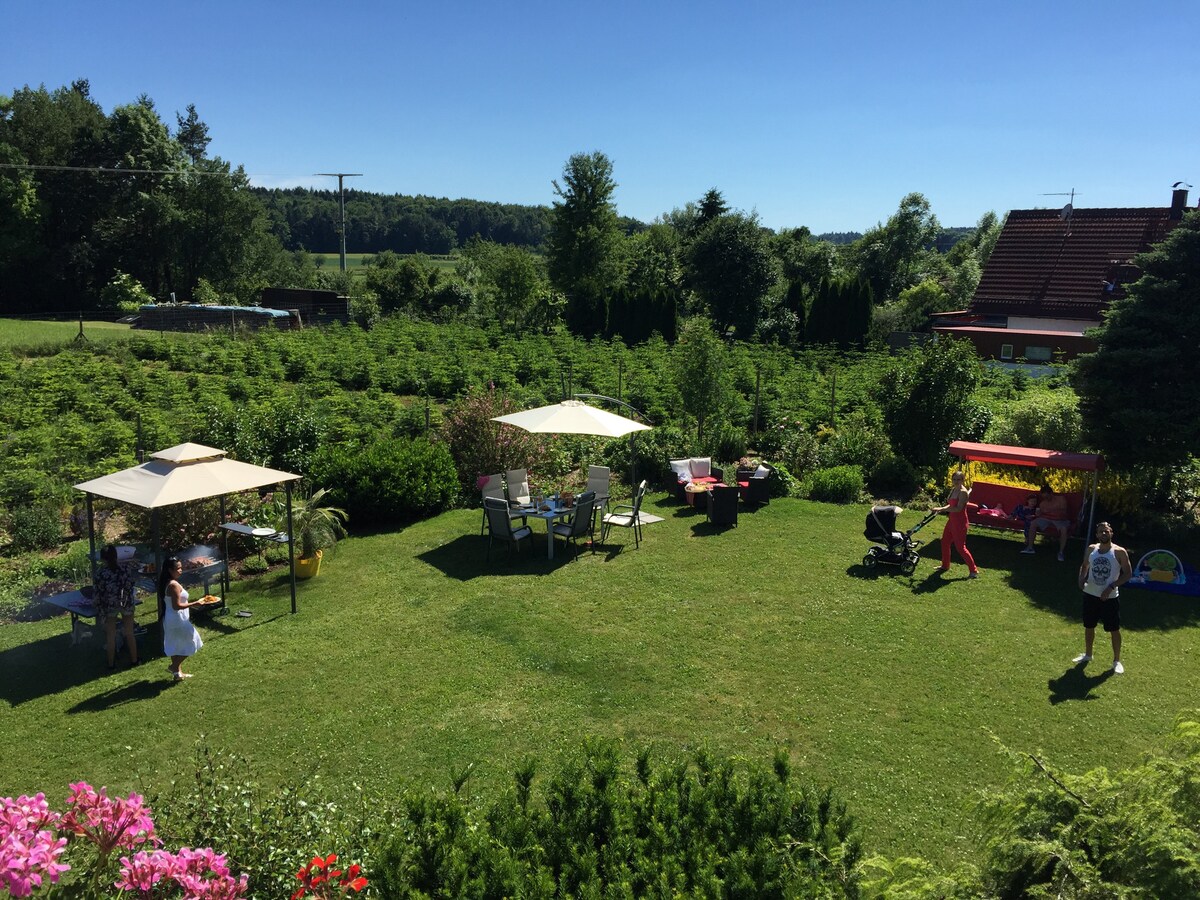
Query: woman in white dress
{"points": [[180, 637]]}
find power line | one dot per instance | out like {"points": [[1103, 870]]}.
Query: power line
{"points": [[101, 170]]}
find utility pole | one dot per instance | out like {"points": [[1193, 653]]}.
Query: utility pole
{"points": [[342, 201]]}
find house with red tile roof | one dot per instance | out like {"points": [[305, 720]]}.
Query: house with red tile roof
{"points": [[1052, 275]]}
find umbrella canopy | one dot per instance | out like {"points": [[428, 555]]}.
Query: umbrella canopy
{"points": [[572, 417], [180, 474]]}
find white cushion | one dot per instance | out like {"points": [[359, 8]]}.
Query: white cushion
{"points": [[762, 472], [701, 466], [682, 469]]}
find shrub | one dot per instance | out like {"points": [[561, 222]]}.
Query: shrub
{"points": [[728, 443], [783, 483], [893, 476], [840, 484], [389, 481], [855, 442], [35, 526], [684, 828], [479, 446], [648, 453]]}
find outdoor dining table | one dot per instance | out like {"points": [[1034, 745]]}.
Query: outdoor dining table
{"points": [[556, 511], [80, 605]]}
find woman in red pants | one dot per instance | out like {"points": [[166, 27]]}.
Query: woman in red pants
{"points": [[955, 531]]}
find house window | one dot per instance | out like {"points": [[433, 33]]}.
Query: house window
{"points": [[1037, 354], [1006, 351]]}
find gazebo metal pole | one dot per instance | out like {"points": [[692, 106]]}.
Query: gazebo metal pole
{"points": [[91, 537], [291, 544], [1092, 509], [224, 550], [159, 557]]}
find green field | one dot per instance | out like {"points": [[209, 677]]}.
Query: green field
{"points": [[355, 262], [412, 657], [25, 335]]}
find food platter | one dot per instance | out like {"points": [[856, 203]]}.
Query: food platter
{"points": [[208, 600]]}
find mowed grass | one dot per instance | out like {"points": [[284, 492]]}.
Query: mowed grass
{"points": [[357, 262], [18, 333], [412, 658]]}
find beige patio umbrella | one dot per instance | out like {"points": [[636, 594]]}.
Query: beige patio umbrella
{"points": [[572, 417], [183, 473]]}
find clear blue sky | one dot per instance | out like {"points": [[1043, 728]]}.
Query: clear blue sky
{"points": [[812, 113]]}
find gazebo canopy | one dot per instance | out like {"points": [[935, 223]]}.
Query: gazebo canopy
{"points": [[182, 473]]}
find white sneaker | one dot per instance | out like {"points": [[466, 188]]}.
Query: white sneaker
{"points": [[1061, 558], [1028, 550], [1118, 669], [1084, 658]]}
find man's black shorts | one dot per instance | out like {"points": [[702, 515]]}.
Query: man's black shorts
{"points": [[1106, 611]]}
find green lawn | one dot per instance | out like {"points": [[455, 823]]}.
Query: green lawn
{"points": [[42, 335], [411, 657]]}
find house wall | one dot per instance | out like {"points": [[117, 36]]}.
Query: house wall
{"points": [[1010, 344], [1029, 323]]}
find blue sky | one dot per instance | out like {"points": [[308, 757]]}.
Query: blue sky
{"points": [[822, 114]]}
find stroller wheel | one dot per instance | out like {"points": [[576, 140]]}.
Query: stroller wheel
{"points": [[910, 564], [869, 559]]}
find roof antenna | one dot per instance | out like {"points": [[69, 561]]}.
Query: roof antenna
{"points": [[1067, 211]]}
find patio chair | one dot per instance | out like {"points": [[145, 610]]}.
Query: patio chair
{"points": [[492, 487], [500, 526], [580, 523], [598, 481], [631, 519], [723, 505], [518, 485], [754, 484]]}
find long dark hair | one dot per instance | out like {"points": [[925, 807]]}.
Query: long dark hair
{"points": [[109, 555], [164, 577]]}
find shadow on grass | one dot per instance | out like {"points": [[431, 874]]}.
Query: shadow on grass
{"points": [[129, 693], [708, 529], [1076, 684], [466, 557]]}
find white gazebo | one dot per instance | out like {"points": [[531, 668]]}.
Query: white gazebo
{"points": [[183, 473]]}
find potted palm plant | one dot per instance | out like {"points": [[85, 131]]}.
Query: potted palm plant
{"points": [[317, 527]]}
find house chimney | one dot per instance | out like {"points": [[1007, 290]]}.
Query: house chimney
{"points": [[1178, 202]]}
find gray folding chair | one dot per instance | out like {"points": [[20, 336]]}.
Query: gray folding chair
{"points": [[631, 519], [500, 526], [598, 482], [580, 523], [518, 485], [493, 487]]}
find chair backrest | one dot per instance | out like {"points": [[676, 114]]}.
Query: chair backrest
{"points": [[493, 486], [497, 515], [637, 500], [598, 479], [585, 504], [518, 485], [722, 504]]}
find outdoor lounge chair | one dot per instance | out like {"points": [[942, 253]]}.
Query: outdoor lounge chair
{"points": [[580, 523], [754, 484], [500, 526], [630, 519], [493, 486]]}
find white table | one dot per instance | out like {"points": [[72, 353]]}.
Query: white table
{"points": [[80, 607]]}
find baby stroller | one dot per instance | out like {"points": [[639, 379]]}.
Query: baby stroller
{"points": [[898, 548]]}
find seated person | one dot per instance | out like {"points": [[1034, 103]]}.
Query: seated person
{"points": [[1052, 510], [1026, 512], [881, 524]]}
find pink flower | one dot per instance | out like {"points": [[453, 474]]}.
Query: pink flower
{"points": [[108, 822]]}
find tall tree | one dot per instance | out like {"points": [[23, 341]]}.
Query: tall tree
{"points": [[701, 372], [901, 252], [1139, 391], [926, 400], [732, 270], [192, 134], [583, 247]]}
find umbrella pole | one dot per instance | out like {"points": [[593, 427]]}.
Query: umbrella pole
{"points": [[291, 545]]}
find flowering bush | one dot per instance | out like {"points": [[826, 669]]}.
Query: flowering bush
{"points": [[321, 880], [30, 849]]}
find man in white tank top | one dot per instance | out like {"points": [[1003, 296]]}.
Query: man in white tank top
{"points": [[1105, 568]]}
